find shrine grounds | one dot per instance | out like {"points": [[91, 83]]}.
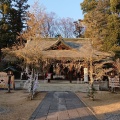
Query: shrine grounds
{"points": [[17, 105]]}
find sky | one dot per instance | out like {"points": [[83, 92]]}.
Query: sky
{"points": [[62, 8]]}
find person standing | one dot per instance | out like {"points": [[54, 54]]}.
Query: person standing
{"points": [[70, 73], [10, 74]]}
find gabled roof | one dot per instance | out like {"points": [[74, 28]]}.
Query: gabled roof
{"points": [[71, 43], [60, 44], [74, 48]]}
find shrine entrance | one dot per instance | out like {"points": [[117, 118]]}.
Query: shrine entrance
{"points": [[65, 59], [67, 70], [66, 62]]}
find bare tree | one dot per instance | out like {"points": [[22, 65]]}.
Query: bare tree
{"points": [[79, 28], [97, 56], [66, 27], [49, 26], [31, 56]]}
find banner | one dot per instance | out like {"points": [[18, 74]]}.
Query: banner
{"points": [[85, 74]]}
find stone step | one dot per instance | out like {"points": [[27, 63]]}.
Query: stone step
{"points": [[63, 87], [57, 85]]}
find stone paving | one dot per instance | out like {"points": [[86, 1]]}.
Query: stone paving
{"points": [[112, 116], [62, 106]]}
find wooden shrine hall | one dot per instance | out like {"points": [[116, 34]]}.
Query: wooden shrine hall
{"points": [[65, 52]]}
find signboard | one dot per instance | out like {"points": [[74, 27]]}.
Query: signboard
{"points": [[114, 82]]}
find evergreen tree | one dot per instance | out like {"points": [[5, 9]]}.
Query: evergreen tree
{"points": [[5, 6], [103, 23], [12, 20], [21, 7], [115, 6]]}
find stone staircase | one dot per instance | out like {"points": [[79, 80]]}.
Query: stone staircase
{"points": [[56, 85], [63, 87]]}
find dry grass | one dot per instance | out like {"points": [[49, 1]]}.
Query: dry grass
{"points": [[105, 103], [17, 106]]}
